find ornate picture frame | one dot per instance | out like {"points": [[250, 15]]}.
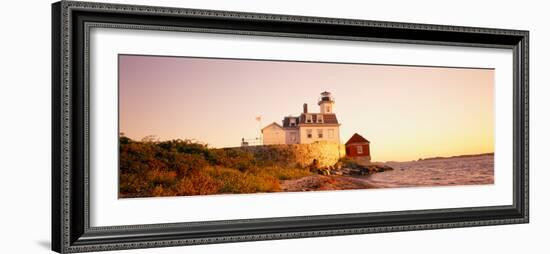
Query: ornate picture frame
{"points": [[71, 197]]}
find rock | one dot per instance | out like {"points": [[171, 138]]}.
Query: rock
{"points": [[373, 168], [324, 172], [362, 171], [355, 171], [336, 172], [346, 171], [387, 168]]}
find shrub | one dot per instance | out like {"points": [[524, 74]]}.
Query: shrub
{"points": [[182, 167], [233, 158], [282, 173], [159, 177], [133, 185], [197, 183], [235, 181]]}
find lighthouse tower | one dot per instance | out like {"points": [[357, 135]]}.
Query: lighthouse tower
{"points": [[326, 103]]}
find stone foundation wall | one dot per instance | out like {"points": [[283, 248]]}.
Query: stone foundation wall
{"points": [[363, 160], [302, 155]]}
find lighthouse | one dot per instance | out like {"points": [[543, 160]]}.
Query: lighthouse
{"points": [[326, 103], [306, 128]]}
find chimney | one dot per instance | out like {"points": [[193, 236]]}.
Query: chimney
{"points": [[305, 108]]}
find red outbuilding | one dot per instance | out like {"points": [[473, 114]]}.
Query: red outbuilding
{"points": [[358, 148]]}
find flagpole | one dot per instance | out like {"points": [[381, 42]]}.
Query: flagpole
{"points": [[259, 119], [260, 128]]}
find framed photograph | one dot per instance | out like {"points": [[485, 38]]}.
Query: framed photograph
{"points": [[182, 126]]}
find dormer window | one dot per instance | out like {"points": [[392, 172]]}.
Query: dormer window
{"points": [[309, 119], [292, 122], [319, 118]]}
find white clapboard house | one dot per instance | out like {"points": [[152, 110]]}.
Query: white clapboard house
{"points": [[308, 127]]}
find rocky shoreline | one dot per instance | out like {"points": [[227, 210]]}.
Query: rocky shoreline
{"points": [[335, 178], [357, 170]]}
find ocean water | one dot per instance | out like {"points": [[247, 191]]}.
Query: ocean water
{"points": [[437, 172]]}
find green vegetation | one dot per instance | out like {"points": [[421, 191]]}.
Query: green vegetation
{"points": [[183, 167]]}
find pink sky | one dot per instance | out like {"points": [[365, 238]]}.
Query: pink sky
{"points": [[406, 112]]}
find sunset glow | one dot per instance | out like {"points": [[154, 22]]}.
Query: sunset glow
{"points": [[405, 112]]}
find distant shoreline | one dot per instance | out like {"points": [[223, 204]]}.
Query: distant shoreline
{"points": [[457, 156], [443, 157]]}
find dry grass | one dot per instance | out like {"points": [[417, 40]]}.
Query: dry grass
{"points": [[182, 168]]}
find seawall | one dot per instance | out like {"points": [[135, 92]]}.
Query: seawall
{"points": [[302, 155]]}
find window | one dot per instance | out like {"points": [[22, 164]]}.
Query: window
{"points": [[328, 108], [292, 121], [330, 133], [319, 118], [359, 149], [309, 118], [320, 133], [293, 137], [309, 133]]}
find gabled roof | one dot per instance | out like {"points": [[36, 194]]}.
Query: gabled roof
{"points": [[356, 138], [273, 123]]}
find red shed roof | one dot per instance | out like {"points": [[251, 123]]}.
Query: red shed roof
{"points": [[356, 138]]}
